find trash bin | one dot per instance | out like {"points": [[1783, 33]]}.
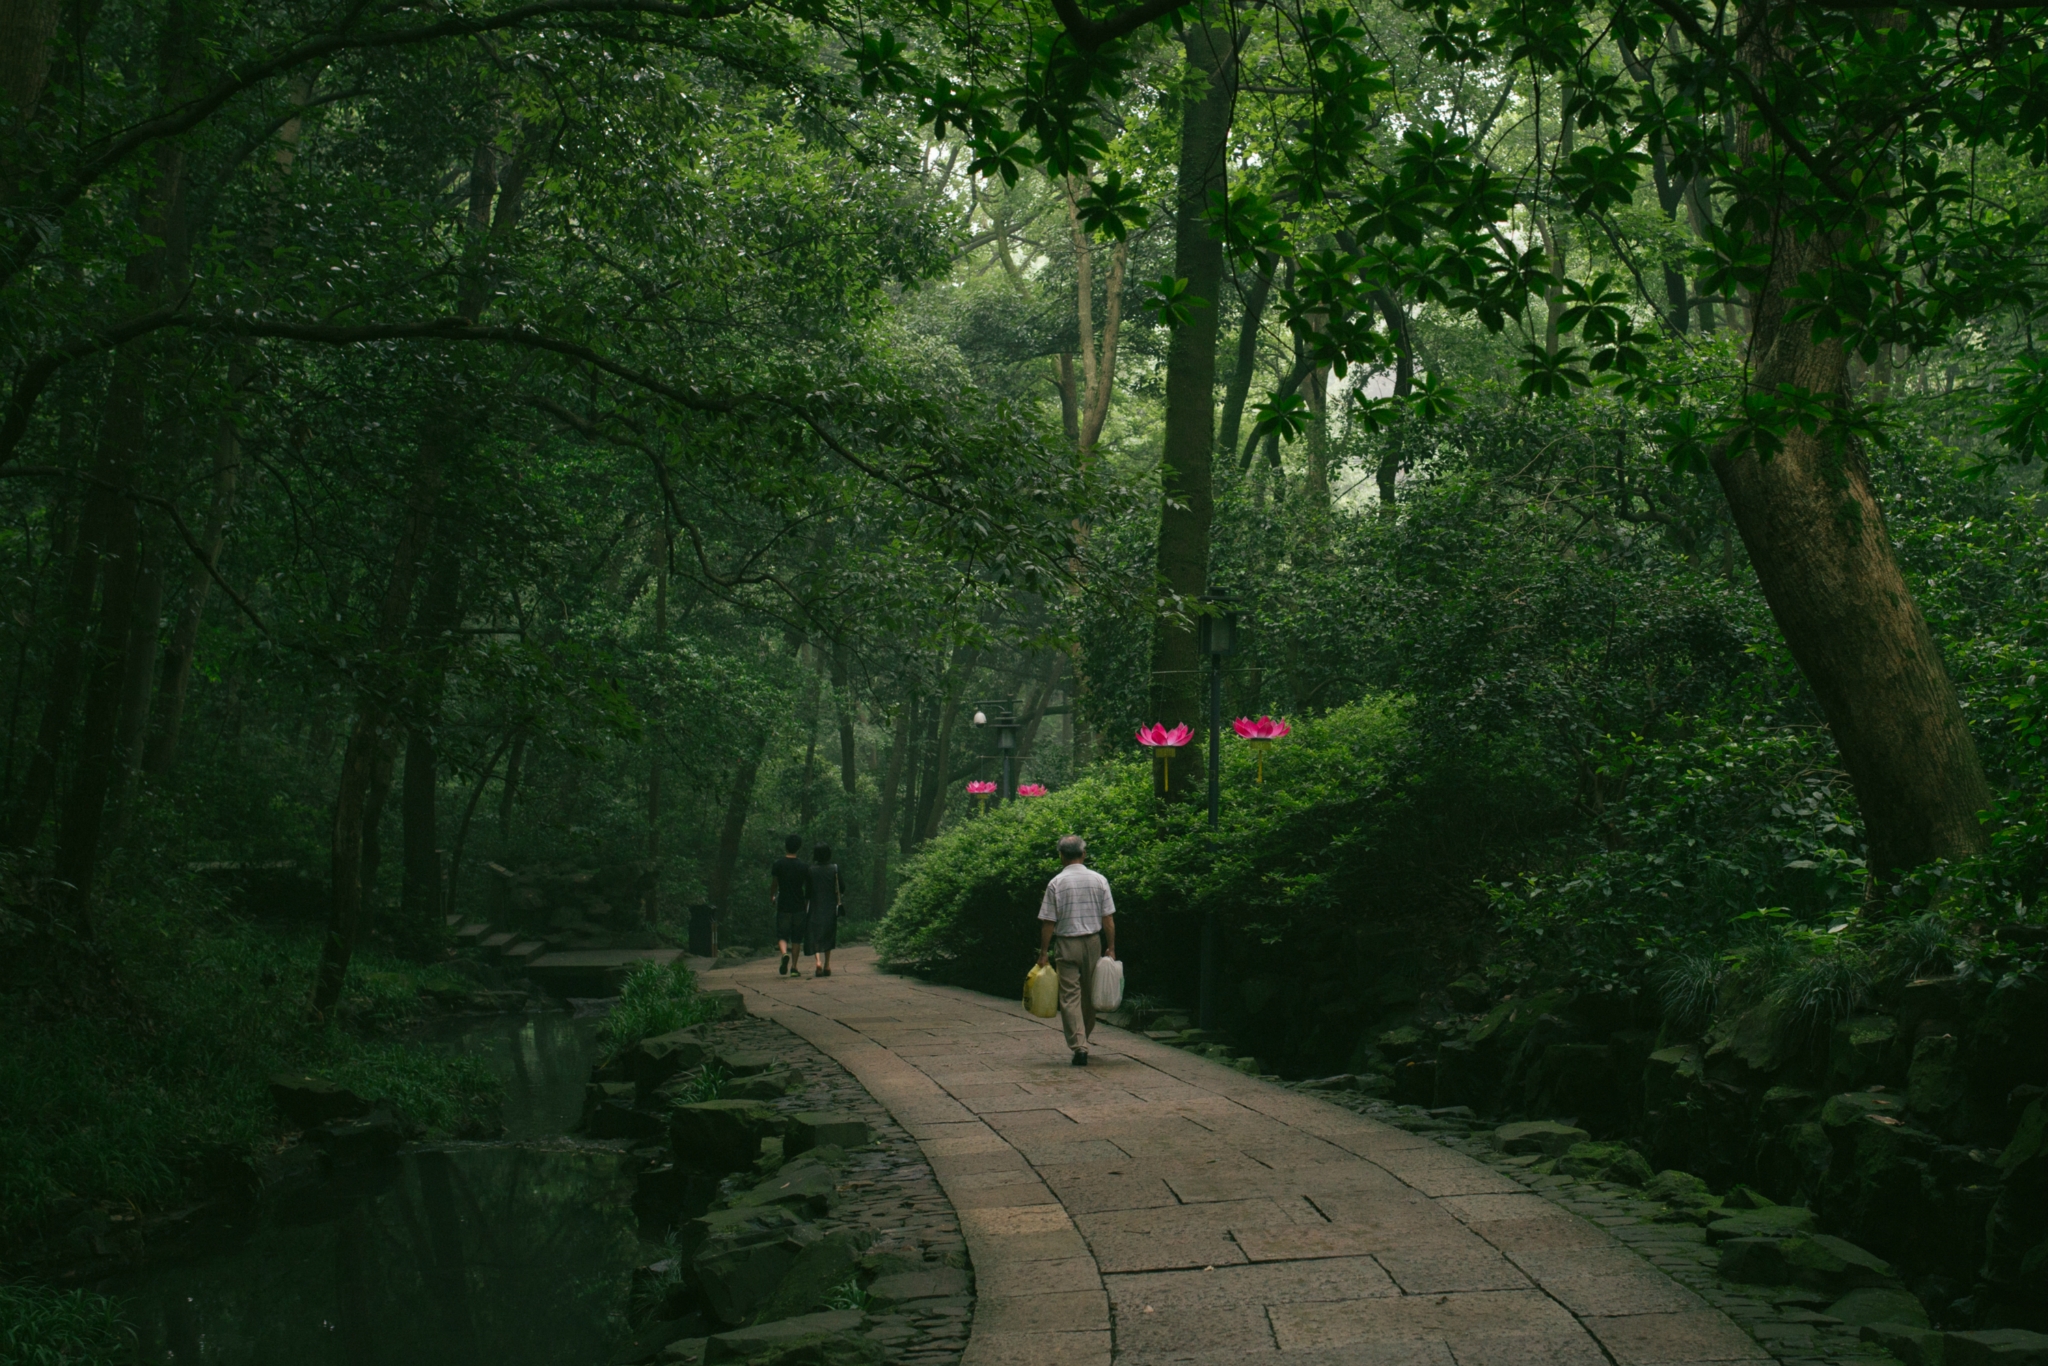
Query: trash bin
{"points": [[703, 931]]}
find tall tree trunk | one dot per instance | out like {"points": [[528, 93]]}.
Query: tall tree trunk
{"points": [[924, 727], [885, 819], [1070, 401], [1035, 705], [657, 735], [849, 773], [177, 669], [1187, 508], [1247, 360], [138, 674], [468, 814], [421, 891], [373, 739], [27, 29], [1822, 552], [935, 773], [78, 834], [805, 808], [738, 803], [1388, 474], [60, 698], [513, 768]]}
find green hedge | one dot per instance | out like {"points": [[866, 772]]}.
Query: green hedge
{"points": [[1291, 858]]}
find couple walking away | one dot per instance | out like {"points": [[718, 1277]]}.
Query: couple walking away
{"points": [[808, 901], [1077, 928]]}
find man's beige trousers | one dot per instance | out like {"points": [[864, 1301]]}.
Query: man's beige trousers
{"points": [[1075, 956]]}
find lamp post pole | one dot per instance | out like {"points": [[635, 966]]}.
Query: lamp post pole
{"points": [[1219, 638]]}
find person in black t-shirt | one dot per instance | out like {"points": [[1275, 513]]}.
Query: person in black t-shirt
{"points": [[789, 890]]}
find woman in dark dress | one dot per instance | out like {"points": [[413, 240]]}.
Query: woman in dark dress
{"points": [[826, 897]]}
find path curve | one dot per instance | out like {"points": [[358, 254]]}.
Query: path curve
{"points": [[1156, 1207]]}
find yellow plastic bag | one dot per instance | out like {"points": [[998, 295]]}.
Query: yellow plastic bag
{"points": [[1042, 991]]}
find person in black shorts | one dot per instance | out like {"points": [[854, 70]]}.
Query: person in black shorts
{"points": [[789, 890], [821, 935]]}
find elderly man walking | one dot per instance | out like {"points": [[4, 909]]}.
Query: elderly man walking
{"points": [[1077, 926]]}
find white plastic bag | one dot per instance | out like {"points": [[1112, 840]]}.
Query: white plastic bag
{"points": [[1109, 984], [1042, 991]]}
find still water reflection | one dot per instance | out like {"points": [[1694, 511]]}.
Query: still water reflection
{"points": [[509, 1254], [544, 1060]]}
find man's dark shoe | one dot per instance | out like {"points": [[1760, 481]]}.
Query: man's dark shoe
{"points": [[782, 968], [1080, 1060]]}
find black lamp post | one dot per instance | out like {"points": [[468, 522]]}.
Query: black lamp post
{"points": [[1005, 723], [1218, 638]]}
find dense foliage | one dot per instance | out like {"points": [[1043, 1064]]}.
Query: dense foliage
{"points": [[594, 435]]}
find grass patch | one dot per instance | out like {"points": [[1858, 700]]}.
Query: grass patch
{"points": [[115, 1085], [43, 1327], [656, 999]]}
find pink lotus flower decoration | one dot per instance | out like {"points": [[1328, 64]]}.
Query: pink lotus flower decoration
{"points": [[1031, 789], [1157, 736], [1259, 734], [981, 789], [1164, 744]]}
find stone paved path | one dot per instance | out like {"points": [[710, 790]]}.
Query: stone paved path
{"points": [[1156, 1207]]}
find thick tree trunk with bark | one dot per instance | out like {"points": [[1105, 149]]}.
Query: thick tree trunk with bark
{"points": [[1823, 555], [1187, 507]]}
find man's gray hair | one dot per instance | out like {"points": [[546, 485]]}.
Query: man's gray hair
{"points": [[1073, 847]]}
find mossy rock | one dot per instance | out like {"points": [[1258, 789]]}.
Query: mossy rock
{"points": [[1879, 1304], [1777, 1221], [1544, 1136], [1861, 1051], [825, 1339], [1606, 1162], [1680, 1189], [1936, 1086], [723, 1135]]}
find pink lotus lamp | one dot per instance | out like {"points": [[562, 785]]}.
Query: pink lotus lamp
{"points": [[1031, 789], [1164, 744], [981, 792], [1259, 734]]}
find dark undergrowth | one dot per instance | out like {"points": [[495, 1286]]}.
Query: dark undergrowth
{"points": [[132, 1063]]}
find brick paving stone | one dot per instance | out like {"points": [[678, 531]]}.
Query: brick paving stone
{"points": [[1159, 1207]]}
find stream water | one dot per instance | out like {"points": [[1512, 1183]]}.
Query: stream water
{"points": [[506, 1253]]}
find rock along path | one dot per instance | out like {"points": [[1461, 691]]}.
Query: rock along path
{"points": [[1157, 1207]]}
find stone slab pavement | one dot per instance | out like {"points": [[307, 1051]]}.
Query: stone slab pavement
{"points": [[1156, 1207]]}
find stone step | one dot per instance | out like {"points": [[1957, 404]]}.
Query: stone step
{"points": [[522, 953], [501, 940], [470, 934], [453, 920], [591, 972]]}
